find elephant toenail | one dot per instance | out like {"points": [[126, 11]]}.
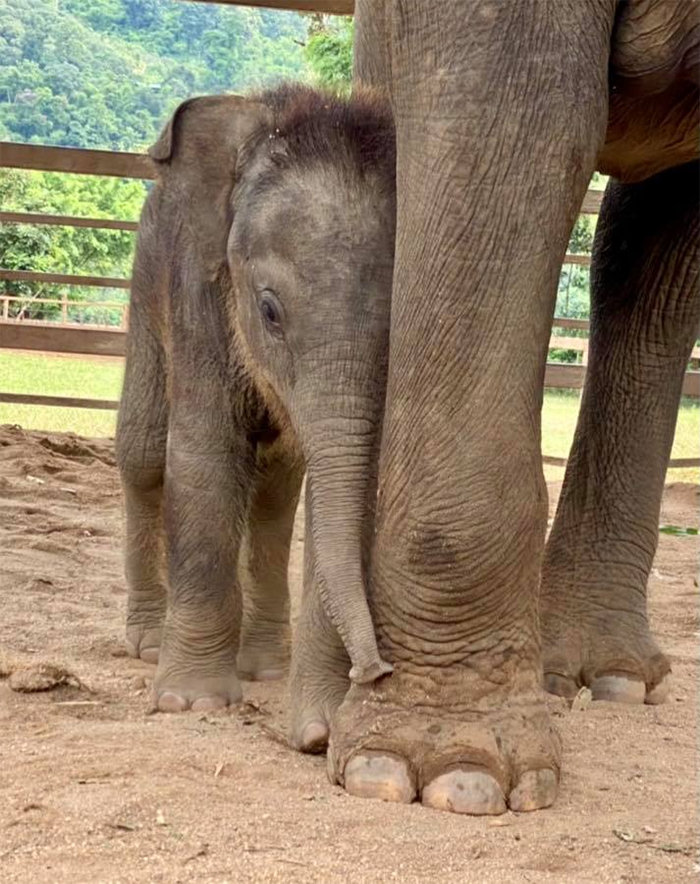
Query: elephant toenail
{"points": [[379, 776], [536, 789], [473, 792], [618, 689], [314, 737]]}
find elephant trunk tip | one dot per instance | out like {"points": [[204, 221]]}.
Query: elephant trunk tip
{"points": [[367, 673]]}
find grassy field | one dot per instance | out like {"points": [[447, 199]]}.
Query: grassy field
{"points": [[95, 378]]}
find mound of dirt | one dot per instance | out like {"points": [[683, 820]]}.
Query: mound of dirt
{"points": [[96, 789]]}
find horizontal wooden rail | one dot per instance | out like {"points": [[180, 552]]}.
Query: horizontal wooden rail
{"points": [[70, 338], [45, 158], [591, 202], [570, 323], [582, 260], [564, 375], [53, 337], [65, 221], [570, 376], [48, 158], [59, 302], [64, 278], [60, 401], [557, 343]]}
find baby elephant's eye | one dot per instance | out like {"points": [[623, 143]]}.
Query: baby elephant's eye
{"points": [[271, 312]]}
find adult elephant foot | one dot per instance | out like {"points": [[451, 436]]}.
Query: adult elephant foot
{"points": [[616, 658], [481, 758], [310, 725], [178, 691]]}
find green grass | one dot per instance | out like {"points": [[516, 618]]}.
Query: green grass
{"points": [[559, 422], [85, 377], [102, 378]]}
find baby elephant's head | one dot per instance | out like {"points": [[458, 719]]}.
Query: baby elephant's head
{"points": [[304, 213], [311, 253]]}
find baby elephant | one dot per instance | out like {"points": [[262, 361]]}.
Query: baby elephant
{"points": [[257, 349]]}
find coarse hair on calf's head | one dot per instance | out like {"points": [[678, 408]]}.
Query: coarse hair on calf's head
{"points": [[310, 126]]}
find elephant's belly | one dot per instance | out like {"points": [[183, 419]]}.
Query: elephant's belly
{"points": [[650, 133], [653, 116]]}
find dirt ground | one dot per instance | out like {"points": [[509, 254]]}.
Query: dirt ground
{"points": [[93, 788]]}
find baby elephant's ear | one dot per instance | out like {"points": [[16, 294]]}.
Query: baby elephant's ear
{"points": [[196, 158]]}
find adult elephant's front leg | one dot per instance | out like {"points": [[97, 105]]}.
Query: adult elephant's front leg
{"points": [[492, 165], [645, 314]]}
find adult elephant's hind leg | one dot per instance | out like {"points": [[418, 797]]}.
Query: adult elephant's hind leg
{"points": [[644, 319]]}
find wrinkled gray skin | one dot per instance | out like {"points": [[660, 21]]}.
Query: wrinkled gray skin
{"points": [[503, 110], [257, 344]]}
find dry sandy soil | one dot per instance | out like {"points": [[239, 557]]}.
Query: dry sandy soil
{"points": [[93, 788]]}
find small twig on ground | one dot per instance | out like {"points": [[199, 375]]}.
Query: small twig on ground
{"points": [[203, 851], [275, 735]]}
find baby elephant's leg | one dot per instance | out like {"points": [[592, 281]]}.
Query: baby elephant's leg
{"points": [[320, 664], [140, 449], [209, 479], [263, 563]]}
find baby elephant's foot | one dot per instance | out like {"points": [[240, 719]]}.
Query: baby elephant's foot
{"points": [[264, 653], [449, 759], [310, 727], [143, 640], [178, 692], [197, 675], [314, 699]]}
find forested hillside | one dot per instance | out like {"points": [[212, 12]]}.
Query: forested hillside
{"points": [[107, 74]]}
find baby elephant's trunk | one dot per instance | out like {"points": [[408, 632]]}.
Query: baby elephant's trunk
{"points": [[340, 463]]}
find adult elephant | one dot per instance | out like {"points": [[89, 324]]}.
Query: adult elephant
{"points": [[503, 110]]}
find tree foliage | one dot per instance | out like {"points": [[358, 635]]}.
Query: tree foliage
{"points": [[107, 74], [328, 51], [79, 250]]}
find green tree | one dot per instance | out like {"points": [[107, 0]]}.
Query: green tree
{"points": [[79, 250], [107, 74], [328, 51]]}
